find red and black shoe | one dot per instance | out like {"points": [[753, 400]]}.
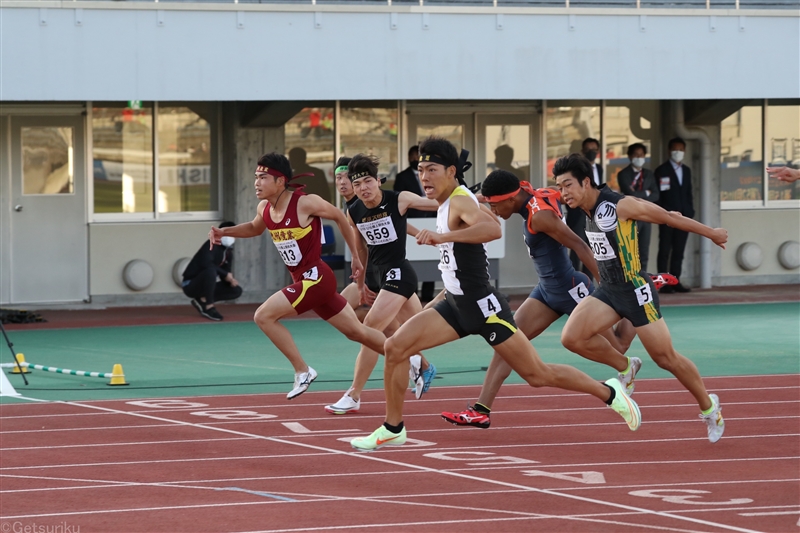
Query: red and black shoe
{"points": [[660, 280], [468, 417]]}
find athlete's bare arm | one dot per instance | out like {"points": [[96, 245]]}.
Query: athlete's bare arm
{"points": [[411, 229], [632, 208], [311, 205], [408, 200], [549, 223], [784, 173], [475, 226], [242, 231]]}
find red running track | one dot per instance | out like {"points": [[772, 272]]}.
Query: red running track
{"points": [[552, 461]]}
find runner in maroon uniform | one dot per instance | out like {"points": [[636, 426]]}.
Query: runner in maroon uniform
{"points": [[293, 223]]}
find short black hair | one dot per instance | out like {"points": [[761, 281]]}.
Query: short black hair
{"points": [[342, 162], [635, 146], [577, 165], [442, 148], [413, 150], [227, 224], [277, 161], [588, 140], [675, 140], [363, 163], [499, 182]]}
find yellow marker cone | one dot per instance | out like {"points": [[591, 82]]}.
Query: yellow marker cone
{"points": [[117, 376], [20, 360]]}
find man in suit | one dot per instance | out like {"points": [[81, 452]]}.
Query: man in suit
{"points": [[675, 194], [635, 180], [408, 180], [576, 219]]}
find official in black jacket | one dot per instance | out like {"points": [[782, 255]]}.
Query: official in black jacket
{"points": [[408, 180], [201, 274], [635, 180], [675, 194]]}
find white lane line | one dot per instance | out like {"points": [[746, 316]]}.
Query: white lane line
{"points": [[136, 443], [376, 458], [773, 513]]}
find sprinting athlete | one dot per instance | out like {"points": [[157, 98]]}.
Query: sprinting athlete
{"points": [[379, 218], [293, 221], [626, 291], [559, 290], [471, 305]]}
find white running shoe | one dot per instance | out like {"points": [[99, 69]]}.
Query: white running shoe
{"points": [[301, 382], [415, 375], [345, 405], [624, 405], [714, 420], [634, 364]]}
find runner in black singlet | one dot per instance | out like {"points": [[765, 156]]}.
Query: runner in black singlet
{"points": [[471, 305], [625, 291]]}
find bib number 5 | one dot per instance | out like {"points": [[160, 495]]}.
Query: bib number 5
{"points": [[644, 295]]}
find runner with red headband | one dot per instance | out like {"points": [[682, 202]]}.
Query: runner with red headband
{"points": [[293, 221], [559, 290]]}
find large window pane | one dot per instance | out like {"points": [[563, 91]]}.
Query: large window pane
{"points": [[622, 124], [783, 148], [122, 149], [47, 161], [371, 131], [186, 180], [567, 127], [508, 148], [452, 132], [310, 148], [741, 160]]}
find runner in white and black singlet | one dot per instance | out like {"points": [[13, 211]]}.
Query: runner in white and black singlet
{"points": [[625, 291], [471, 305], [379, 220]]}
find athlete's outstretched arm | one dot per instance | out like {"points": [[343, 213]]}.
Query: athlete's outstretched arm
{"points": [[408, 200], [631, 208], [313, 205], [475, 225], [248, 229], [549, 223]]}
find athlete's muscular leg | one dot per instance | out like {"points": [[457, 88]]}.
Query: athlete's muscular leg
{"points": [[425, 330], [532, 318], [657, 341], [621, 335], [266, 317], [581, 334], [519, 353], [412, 307], [380, 316], [347, 322]]}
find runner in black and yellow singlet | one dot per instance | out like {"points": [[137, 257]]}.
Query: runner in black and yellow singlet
{"points": [[471, 305], [625, 291]]}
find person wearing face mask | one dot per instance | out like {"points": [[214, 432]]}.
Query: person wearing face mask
{"points": [[408, 180], [575, 218], [675, 194], [635, 180], [201, 275]]}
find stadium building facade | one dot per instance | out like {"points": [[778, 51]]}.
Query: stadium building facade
{"points": [[128, 128]]}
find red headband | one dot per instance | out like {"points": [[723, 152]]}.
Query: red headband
{"points": [[523, 186], [278, 174]]}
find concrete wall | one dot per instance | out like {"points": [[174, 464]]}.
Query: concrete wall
{"points": [[767, 228], [209, 52]]}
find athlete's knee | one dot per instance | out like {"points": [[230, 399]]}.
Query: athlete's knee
{"points": [[263, 316], [571, 339], [665, 358], [395, 349]]}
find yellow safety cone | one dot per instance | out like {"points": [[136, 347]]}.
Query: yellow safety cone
{"points": [[117, 376], [20, 360]]}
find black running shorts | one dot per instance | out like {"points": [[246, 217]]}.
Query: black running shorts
{"points": [[488, 316], [636, 301], [400, 279]]}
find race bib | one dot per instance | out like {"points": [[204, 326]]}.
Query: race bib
{"points": [[664, 183], [579, 292], [393, 274], [312, 274], [489, 305], [644, 295], [290, 252], [600, 246], [447, 260], [379, 231]]}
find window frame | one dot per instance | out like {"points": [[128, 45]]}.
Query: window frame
{"points": [[155, 216]]}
